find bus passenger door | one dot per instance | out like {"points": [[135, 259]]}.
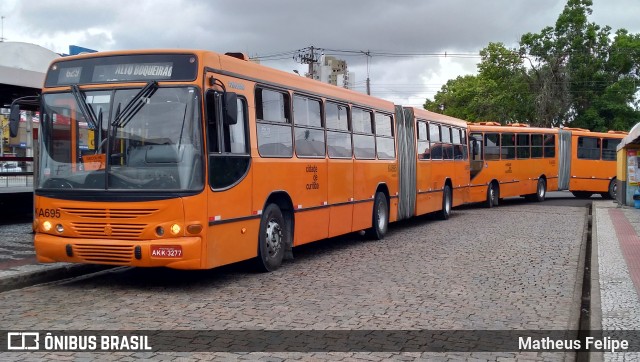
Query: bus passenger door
{"points": [[233, 232], [477, 188]]}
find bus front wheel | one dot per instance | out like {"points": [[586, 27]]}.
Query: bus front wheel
{"points": [[493, 195], [541, 190], [273, 239], [380, 217]]}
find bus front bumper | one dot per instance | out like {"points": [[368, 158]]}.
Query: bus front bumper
{"points": [[177, 253]]}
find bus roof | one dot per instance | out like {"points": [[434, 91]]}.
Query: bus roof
{"points": [[517, 128], [586, 132], [437, 117], [232, 65], [273, 77]]}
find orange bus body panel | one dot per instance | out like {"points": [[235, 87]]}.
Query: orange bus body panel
{"points": [[516, 177], [592, 175], [107, 233], [340, 196]]}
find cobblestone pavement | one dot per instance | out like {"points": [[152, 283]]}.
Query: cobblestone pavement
{"points": [[512, 267], [17, 257]]}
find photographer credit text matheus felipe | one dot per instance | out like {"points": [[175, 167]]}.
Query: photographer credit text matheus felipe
{"points": [[21, 341], [590, 344]]}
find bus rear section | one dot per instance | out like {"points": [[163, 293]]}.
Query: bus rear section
{"points": [[433, 162], [592, 162], [508, 161]]}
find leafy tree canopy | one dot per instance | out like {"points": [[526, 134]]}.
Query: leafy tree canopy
{"points": [[575, 74]]}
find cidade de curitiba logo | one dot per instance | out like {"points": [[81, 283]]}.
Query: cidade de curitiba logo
{"points": [[36, 341]]}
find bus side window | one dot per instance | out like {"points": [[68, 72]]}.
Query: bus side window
{"points": [[476, 146], [385, 143], [436, 144], [609, 148], [458, 152], [364, 144], [523, 146], [491, 146], [274, 123], [508, 146], [424, 149], [588, 148], [536, 145], [212, 127]]}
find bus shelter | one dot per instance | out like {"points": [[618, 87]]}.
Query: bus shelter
{"points": [[628, 163]]}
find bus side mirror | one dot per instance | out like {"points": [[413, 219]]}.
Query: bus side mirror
{"points": [[14, 120], [230, 108]]}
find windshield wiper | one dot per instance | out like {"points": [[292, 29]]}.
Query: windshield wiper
{"points": [[84, 107], [135, 104]]}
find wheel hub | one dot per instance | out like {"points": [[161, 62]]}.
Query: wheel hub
{"points": [[273, 237]]}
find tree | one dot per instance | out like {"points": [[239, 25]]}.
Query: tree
{"points": [[497, 93], [573, 74]]}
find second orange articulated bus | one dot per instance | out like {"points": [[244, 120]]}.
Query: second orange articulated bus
{"points": [[518, 160]]}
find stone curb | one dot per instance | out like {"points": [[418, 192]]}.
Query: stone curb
{"points": [[29, 278]]}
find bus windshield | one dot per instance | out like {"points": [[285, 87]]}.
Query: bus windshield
{"points": [[122, 139]]}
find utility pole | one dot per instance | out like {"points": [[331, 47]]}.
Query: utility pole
{"points": [[2, 31], [368, 54], [307, 56]]}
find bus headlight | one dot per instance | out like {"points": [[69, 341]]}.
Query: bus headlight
{"points": [[46, 226], [60, 228]]}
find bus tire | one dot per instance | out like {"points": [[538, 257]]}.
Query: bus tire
{"points": [[493, 195], [273, 239], [447, 202], [380, 217], [541, 190], [612, 191], [582, 194]]}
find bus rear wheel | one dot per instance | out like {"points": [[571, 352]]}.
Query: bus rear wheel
{"points": [[541, 190], [380, 217], [493, 195], [612, 191], [446, 203], [273, 239]]}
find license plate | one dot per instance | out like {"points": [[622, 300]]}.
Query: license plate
{"points": [[166, 251]]}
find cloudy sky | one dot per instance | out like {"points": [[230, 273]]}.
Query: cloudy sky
{"points": [[459, 28]]}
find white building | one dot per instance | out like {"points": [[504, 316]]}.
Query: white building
{"points": [[333, 71]]}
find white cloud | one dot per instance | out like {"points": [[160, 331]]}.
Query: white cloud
{"points": [[266, 27]]}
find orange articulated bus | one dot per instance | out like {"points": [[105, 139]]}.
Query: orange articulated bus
{"points": [[518, 160], [514, 160], [592, 162], [193, 159]]}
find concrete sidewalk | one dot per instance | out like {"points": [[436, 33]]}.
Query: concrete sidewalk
{"points": [[615, 277]]}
